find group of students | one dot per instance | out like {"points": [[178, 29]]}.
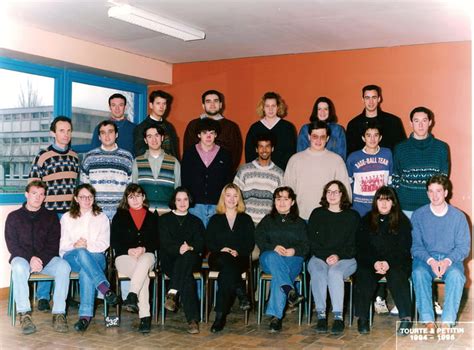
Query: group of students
{"points": [[273, 204]]}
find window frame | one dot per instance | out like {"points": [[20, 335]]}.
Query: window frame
{"points": [[63, 80]]}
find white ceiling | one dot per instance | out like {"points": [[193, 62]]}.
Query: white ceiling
{"points": [[244, 28]]}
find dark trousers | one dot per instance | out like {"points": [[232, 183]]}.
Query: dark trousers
{"points": [[180, 271], [230, 271], [366, 284]]}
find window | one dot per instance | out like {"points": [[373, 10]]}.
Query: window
{"points": [[33, 94]]}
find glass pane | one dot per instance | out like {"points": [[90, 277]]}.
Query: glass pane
{"points": [[26, 111], [90, 106]]}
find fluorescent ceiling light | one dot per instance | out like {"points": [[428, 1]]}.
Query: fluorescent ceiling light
{"points": [[154, 22]]}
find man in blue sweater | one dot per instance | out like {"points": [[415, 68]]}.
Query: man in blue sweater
{"points": [[441, 242]]}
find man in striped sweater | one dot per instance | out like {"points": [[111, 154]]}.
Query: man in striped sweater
{"points": [[58, 167], [108, 168], [157, 172]]}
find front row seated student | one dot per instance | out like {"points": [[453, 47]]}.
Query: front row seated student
{"points": [[32, 235], [206, 169], [156, 171], [383, 250], [230, 240], [85, 236], [134, 238], [331, 231], [441, 242], [182, 244], [283, 242]]}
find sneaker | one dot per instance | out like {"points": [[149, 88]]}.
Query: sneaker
{"points": [[337, 327], [438, 308], [43, 305], [363, 326], [131, 303], [145, 325], [111, 298], [60, 323], [193, 327], [170, 302], [82, 325], [322, 326], [394, 311], [294, 298], [275, 324], [26, 323], [380, 306]]}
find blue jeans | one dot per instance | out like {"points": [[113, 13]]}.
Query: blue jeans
{"points": [[57, 267], [90, 267], [454, 280], [203, 212], [284, 270]]}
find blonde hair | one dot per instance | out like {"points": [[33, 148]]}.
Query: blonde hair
{"points": [[221, 209], [281, 112]]}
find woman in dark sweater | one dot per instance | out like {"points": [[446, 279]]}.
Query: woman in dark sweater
{"points": [[331, 230], [283, 242], [383, 250], [134, 238], [182, 243], [230, 240]]}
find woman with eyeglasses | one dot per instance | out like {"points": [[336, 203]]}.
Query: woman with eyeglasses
{"points": [[283, 242], [230, 240], [134, 240], [383, 250], [85, 236], [331, 231], [182, 243]]}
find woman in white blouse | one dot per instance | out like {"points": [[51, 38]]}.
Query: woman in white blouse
{"points": [[85, 236]]}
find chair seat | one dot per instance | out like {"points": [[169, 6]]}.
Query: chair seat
{"points": [[122, 276], [268, 277], [214, 274]]}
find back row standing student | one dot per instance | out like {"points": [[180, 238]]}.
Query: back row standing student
{"points": [[391, 124], [325, 111], [206, 169], [159, 104], [271, 109], [117, 105], [229, 136]]}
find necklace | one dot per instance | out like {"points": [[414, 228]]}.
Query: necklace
{"points": [[181, 219], [283, 217]]}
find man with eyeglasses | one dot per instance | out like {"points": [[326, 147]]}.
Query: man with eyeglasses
{"points": [[310, 170], [207, 168], [156, 171], [58, 167], [108, 168]]}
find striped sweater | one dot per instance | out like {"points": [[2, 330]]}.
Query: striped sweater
{"points": [[109, 172], [59, 169], [258, 184], [415, 162]]}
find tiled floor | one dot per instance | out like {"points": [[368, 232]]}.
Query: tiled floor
{"points": [[235, 336]]}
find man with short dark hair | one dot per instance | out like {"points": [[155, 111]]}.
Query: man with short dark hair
{"points": [[159, 104], [32, 235], [117, 105], [229, 136], [310, 170], [206, 169], [156, 171], [391, 124], [108, 168], [441, 242]]}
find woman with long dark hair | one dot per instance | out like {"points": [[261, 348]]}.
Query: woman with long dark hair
{"points": [[283, 242], [182, 243], [331, 231], [85, 236], [135, 239], [230, 240], [324, 110], [383, 250]]}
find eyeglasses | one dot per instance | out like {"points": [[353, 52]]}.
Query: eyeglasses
{"points": [[336, 192], [86, 198], [135, 196]]}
